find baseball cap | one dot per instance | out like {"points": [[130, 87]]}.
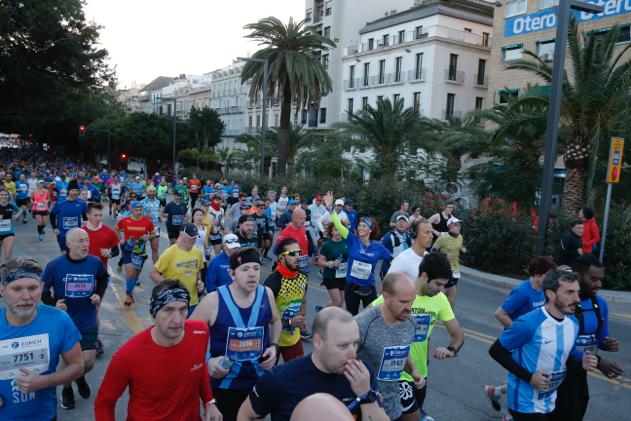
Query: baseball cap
{"points": [[453, 220], [291, 202], [231, 241], [318, 197], [135, 204], [403, 217], [349, 201], [190, 230], [179, 193], [244, 218], [339, 202]]}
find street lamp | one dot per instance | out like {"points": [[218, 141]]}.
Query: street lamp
{"points": [[83, 130], [174, 99], [554, 110]]}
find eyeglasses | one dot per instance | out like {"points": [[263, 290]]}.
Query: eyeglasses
{"points": [[294, 253]]}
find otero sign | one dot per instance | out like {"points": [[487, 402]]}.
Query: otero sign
{"points": [[547, 19]]}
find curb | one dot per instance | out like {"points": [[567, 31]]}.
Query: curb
{"points": [[509, 283]]}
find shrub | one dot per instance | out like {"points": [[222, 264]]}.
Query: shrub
{"points": [[618, 248]]}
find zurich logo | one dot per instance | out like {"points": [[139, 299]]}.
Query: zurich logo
{"points": [[15, 345]]}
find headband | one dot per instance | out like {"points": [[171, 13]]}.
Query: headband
{"points": [[249, 255], [168, 296], [367, 221], [21, 274]]}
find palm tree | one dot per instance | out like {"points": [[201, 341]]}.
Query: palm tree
{"points": [[295, 71], [593, 99], [389, 130], [227, 158]]}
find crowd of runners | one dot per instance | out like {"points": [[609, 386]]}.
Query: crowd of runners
{"points": [[228, 345]]}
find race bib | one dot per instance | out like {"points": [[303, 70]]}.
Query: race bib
{"points": [[392, 362], [70, 222], [304, 263], [30, 352], [361, 270], [137, 260], [40, 206], [5, 225], [245, 344], [556, 378], [340, 272], [587, 343], [422, 322], [177, 219], [79, 286]]}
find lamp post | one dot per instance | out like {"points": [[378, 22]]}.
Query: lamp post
{"points": [[87, 130], [263, 111], [174, 99], [554, 110]]}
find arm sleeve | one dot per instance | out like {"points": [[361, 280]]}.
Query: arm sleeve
{"points": [[503, 356], [339, 226], [212, 276], [604, 332], [101, 281], [53, 217], [47, 296], [311, 248], [112, 387]]}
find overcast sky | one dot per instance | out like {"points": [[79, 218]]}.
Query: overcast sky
{"points": [[150, 38]]}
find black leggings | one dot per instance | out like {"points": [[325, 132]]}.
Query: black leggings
{"points": [[353, 299], [537, 416], [229, 401]]}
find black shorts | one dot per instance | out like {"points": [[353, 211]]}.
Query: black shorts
{"points": [[163, 202], [42, 213], [115, 201], [334, 283], [3, 236], [173, 232], [216, 242], [88, 339], [21, 202], [452, 282]]}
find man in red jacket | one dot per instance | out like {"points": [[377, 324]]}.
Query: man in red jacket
{"points": [[591, 236], [164, 366]]}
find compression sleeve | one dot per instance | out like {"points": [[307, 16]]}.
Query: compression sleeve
{"points": [[102, 279], [503, 356], [339, 226], [53, 220]]}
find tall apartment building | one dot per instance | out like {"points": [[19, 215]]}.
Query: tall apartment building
{"points": [[341, 21], [230, 99], [530, 25], [434, 56]]}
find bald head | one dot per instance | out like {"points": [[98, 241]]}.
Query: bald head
{"points": [[298, 218], [78, 243], [399, 293], [320, 406], [396, 281]]}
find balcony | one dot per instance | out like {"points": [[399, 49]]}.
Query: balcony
{"points": [[233, 132], [318, 15], [417, 75], [446, 114], [234, 109], [352, 83], [454, 76], [345, 116], [481, 81]]}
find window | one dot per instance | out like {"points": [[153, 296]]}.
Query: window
{"points": [[506, 94], [468, 30], [364, 103], [327, 10], [516, 7], [453, 66], [303, 120], [395, 98], [313, 118], [481, 72], [371, 43], [401, 37], [397, 69], [512, 52], [449, 109], [366, 72], [327, 32], [479, 102], [486, 37], [623, 36], [308, 14], [276, 120], [418, 32], [545, 50], [546, 4], [417, 102], [382, 71], [379, 98], [322, 115], [249, 121], [349, 108], [385, 40], [418, 67], [351, 77], [325, 61]]}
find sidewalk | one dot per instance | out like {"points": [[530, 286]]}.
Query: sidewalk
{"points": [[510, 283]]}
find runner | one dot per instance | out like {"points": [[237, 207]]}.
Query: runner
{"points": [[333, 257], [162, 190], [9, 184], [363, 256], [217, 214], [333, 367], [194, 189], [385, 335], [246, 231], [409, 260], [289, 286], [8, 213], [524, 298], [182, 261], [201, 242], [593, 335], [397, 240], [451, 243], [67, 214], [116, 192], [76, 283], [151, 208], [175, 213], [244, 330], [28, 388], [297, 230], [61, 188], [218, 273], [265, 232], [317, 209], [40, 198], [541, 342], [164, 366], [22, 196], [137, 230], [404, 209], [439, 220], [430, 305]]}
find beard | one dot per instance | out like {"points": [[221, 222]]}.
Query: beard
{"points": [[22, 313]]}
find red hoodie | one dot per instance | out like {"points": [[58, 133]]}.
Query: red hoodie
{"points": [[591, 236]]}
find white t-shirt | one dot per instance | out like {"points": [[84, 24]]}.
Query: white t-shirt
{"points": [[408, 261]]}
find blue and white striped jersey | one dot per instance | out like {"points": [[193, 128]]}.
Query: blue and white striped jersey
{"points": [[538, 342]]}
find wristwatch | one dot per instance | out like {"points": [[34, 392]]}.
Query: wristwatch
{"points": [[452, 349], [368, 397]]}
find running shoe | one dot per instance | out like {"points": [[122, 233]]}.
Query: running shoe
{"points": [[83, 387], [99, 348], [130, 300], [67, 398], [426, 416], [41, 237], [490, 392], [306, 335]]}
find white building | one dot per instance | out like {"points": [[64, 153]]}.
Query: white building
{"points": [[230, 100], [341, 21], [434, 56]]}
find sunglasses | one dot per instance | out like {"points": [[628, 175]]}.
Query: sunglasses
{"points": [[261, 207], [231, 241], [294, 253]]}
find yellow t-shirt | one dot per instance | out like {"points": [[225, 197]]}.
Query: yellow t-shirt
{"points": [[182, 265], [451, 247], [425, 311], [10, 186]]}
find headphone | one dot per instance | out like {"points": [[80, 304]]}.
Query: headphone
{"points": [[415, 224]]}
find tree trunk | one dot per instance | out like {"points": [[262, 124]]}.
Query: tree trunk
{"points": [[283, 130], [573, 191]]}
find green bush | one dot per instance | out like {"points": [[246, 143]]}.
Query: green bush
{"points": [[618, 248]]}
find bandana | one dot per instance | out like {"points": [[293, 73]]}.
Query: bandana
{"points": [[168, 296], [20, 274], [249, 255], [286, 272], [367, 221]]}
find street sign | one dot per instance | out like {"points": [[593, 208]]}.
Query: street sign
{"points": [[615, 160]]}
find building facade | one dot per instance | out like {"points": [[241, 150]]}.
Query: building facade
{"points": [[433, 56], [530, 25]]}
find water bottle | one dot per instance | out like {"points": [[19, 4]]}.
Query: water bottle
{"points": [[225, 363]]}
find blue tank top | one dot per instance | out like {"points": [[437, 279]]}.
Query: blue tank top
{"points": [[241, 334]]}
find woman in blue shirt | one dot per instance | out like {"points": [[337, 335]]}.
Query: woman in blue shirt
{"points": [[363, 256]]}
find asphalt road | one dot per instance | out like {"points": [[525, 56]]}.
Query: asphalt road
{"points": [[455, 386]]}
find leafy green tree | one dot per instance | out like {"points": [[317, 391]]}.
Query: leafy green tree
{"points": [[295, 71], [206, 126], [324, 158], [227, 158], [594, 92]]}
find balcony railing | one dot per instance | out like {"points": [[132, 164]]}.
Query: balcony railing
{"points": [[352, 83], [417, 75], [234, 109], [446, 114], [454, 76], [481, 81]]}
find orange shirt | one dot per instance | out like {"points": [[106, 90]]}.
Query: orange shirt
{"points": [[194, 185]]}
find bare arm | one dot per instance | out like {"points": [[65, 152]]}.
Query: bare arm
{"points": [[455, 331], [155, 275], [275, 321], [246, 412], [503, 317]]}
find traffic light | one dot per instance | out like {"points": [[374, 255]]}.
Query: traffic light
{"points": [[82, 130], [123, 156]]}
